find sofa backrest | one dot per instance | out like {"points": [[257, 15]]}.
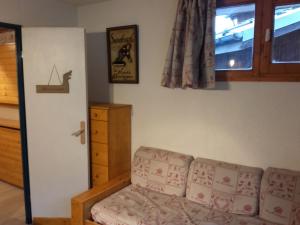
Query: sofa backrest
{"points": [[280, 196], [161, 170], [223, 186]]}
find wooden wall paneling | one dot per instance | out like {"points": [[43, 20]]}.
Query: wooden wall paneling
{"points": [[8, 74], [11, 170], [10, 123]]}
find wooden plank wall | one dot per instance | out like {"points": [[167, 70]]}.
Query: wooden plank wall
{"points": [[11, 156], [10, 143], [8, 74]]}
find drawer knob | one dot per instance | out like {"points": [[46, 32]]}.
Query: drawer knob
{"points": [[96, 132], [95, 115], [97, 154]]}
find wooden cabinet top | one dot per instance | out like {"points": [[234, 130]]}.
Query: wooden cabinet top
{"points": [[107, 106], [15, 124]]}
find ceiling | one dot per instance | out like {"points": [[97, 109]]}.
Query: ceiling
{"points": [[83, 2]]}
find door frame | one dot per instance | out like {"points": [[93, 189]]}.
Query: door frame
{"points": [[22, 113]]}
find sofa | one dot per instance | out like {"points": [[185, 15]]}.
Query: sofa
{"points": [[168, 188]]}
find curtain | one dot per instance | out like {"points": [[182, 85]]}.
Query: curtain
{"points": [[190, 60]]}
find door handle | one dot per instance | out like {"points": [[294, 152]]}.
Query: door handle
{"points": [[268, 35], [80, 133]]}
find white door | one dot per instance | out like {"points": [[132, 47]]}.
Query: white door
{"points": [[58, 162]]}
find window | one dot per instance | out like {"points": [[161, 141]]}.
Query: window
{"points": [[257, 40], [234, 34], [286, 34]]}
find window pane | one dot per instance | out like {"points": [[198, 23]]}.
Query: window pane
{"points": [[286, 34], [234, 34]]}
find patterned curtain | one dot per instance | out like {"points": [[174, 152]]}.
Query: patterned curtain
{"points": [[191, 56]]}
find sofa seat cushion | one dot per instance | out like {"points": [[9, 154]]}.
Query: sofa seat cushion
{"points": [[139, 206], [280, 196], [160, 170], [223, 186]]}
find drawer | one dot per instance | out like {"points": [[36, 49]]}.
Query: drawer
{"points": [[99, 131], [99, 114], [99, 174], [100, 154]]}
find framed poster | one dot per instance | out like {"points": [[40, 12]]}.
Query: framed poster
{"points": [[122, 48]]}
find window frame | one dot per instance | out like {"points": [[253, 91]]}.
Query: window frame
{"points": [[269, 70], [262, 69]]}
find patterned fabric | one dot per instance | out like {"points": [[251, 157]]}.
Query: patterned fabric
{"points": [[280, 196], [160, 170], [191, 57], [139, 206], [226, 187]]}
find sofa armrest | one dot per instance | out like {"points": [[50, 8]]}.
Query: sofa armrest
{"points": [[82, 203]]}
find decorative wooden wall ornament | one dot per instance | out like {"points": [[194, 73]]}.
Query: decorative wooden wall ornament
{"points": [[62, 88]]}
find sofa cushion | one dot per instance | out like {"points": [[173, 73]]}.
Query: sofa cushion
{"points": [[160, 170], [223, 186], [280, 196], [134, 205]]}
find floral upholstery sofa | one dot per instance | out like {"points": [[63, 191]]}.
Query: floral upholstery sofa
{"points": [[169, 188]]}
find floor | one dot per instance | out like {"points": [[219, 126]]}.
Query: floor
{"points": [[11, 205]]}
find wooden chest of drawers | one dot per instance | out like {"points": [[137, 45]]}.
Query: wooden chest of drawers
{"points": [[110, 133], [10, 154]]}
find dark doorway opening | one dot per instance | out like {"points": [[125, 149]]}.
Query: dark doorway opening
{"points": [[22, 117]]}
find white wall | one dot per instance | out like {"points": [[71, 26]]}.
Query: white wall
{"points": [[250, 123], [34, 13], [97, 67], [38, 13]]}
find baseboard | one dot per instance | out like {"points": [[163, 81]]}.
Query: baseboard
{"points": [[51, 221]]}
